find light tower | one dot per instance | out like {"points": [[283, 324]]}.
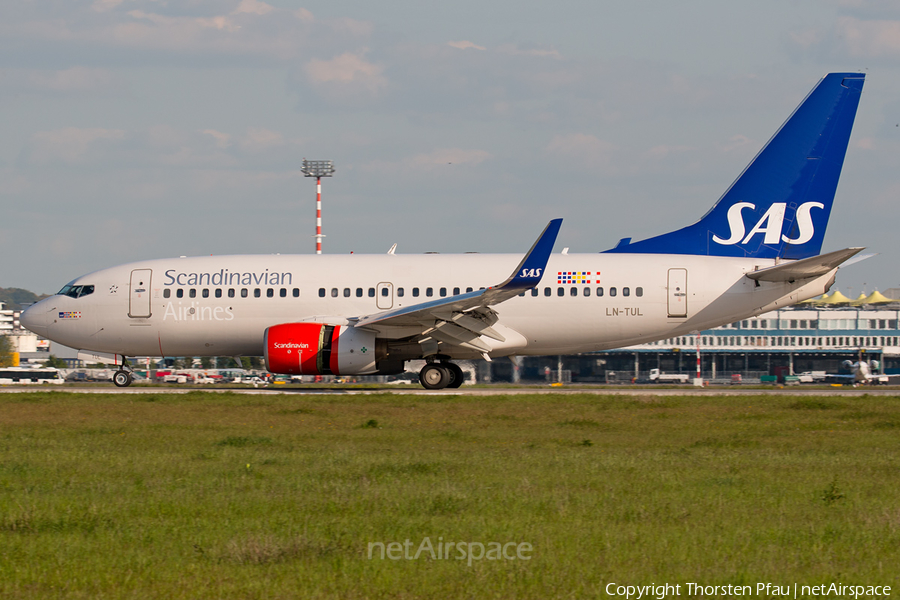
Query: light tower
{"points": [[318, 169]]}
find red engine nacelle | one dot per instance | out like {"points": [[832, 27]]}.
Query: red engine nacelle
{"points": [[318, 349]]}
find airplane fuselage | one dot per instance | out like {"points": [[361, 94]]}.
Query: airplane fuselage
{"points": [[221, 305]]}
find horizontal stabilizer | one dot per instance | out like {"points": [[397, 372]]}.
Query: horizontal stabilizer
{"points": [[807, 268]]}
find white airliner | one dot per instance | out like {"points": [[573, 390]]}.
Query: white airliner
{"points": [[756, 250]]}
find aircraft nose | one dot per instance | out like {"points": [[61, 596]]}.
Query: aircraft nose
{"points": [[36, 319]]}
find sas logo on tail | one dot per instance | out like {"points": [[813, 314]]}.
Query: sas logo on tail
{"points": [[531, 273], [770, 224]]}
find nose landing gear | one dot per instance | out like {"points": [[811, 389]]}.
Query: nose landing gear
{"points": [[440, 375]]}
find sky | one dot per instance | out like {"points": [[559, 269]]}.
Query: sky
{"points": [[139, 129]]}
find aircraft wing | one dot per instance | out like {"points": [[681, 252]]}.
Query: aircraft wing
{"points": [[807, 268], [460, 320]]}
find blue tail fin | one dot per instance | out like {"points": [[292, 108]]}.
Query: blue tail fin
{"points": [[780, 204]]}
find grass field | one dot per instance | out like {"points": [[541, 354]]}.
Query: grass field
{"points": [[229, 496]]}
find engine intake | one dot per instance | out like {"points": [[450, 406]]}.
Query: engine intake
{"points": [[318, 349]]}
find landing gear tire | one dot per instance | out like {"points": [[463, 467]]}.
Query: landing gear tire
{"points": [[456, 375], [122, 379], [434, 376]]}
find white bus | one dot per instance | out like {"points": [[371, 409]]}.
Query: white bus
{"points": [[17, 375]]}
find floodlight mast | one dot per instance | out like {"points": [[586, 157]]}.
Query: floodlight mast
{"points": [[318, 169]]}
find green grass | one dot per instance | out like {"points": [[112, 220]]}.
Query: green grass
{"points": [[230, 496]]}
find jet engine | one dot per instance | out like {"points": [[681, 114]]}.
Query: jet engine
{"points": [[319, 349]]}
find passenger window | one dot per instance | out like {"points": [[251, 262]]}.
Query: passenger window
{"points": [[283, 292], [612, 291], [587, 291], [334, 292], [205, 293], [429, 292], [192, 293], [443, 292], [560, 291], [599, 291], [400, 292], [231, 292], [371, 292], [626, 291], [468, 290], [166, 293], [257, 293], [218, 292], [547, 291], [534, 291], [359, 293], [270, 293], [456, 291], [384, 292], [244, 292], [346, 292], [639, 292], [573, 291], [296, 292], [321, 292], [415, 292]]}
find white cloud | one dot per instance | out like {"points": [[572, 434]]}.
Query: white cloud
{"points": [[464, 45], [736, 142], [869, 39], [210, 30], [105, 5], [258, 140], [222, 139], [349, 70], [253, 6]]}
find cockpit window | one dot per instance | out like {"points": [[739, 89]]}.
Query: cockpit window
{"points": [[76, 291]]}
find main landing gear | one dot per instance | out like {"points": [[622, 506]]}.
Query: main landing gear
{"points": [[123, 377], [440, 375]]}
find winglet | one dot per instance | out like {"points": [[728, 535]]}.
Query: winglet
{"points": [[529, 272]]}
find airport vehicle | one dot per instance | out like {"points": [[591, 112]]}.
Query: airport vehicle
{"points": [[658, 377], [15, 375], [757, 249]]}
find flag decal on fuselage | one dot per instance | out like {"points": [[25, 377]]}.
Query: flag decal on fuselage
{"points": [[573, 277]]}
